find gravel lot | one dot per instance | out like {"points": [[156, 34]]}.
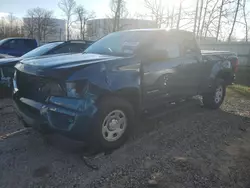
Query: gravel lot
{"points": [[188, 147]]}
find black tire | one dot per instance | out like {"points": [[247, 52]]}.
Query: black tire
{"points": [[105, 107], [209, 99]]}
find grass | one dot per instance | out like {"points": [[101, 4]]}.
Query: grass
{"points": [[243, 90]]}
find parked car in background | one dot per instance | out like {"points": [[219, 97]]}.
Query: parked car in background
{"points": [[95, 96], [17, 46], [52, 48]]}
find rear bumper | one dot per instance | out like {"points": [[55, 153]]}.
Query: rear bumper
{"points": [[69, 116]]}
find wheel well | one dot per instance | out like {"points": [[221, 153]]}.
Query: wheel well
{"points": [[225, 76], [130, 95]]}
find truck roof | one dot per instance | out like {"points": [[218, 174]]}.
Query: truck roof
{"points": [[172, 32], [157, 29]]}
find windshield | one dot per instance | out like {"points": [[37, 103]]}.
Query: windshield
{"points": [[119, 44], [41, 50]]}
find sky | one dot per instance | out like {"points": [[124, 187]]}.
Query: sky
{"points": [[100, 7], [20, 7]]}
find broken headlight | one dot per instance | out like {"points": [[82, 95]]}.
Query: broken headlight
{"points": [[52, 89], [76, 89]]}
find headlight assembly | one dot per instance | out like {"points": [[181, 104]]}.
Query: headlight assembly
{"points": [[76, 89], [52, 89], [71, 89]]}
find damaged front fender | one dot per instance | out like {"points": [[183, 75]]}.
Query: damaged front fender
{"points": [[64, 113]]}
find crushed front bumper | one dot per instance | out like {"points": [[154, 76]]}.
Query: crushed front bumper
{"points": [[70, 116]]}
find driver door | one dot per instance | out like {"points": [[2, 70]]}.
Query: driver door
{"points": [[165, 80], [156, 71]]}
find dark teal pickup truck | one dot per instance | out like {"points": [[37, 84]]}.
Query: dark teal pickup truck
{"points": [[94, 96]]}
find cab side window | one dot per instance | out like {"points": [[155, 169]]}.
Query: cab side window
{"points": [[171, 48]]}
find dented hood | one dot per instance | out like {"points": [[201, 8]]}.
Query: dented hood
{"points": [[55, 66], [69, 60]]}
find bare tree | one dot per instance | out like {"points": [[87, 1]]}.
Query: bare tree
{"points": [[211, 17], [172, 17], [39, 23], [200, 17], [220, 16], [68, 8], [33, 22], [10, 26], [2, 28], [83, 16], [245, 14], [117, 14], [234, 20], [204, 17], [49, 26], [118, 10], [11, 18], [196, 16], [179, 15], [158, 12]]}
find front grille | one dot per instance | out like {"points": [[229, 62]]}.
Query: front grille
{"points": [[35, 87]]}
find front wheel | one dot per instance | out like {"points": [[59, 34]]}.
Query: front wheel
{"points": [[215, 98], [113, 122]]}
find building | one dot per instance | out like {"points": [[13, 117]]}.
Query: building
{"points": [[57, 33], [98, 28]]}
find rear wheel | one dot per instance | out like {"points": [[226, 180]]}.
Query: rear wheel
{"points": [[113, 123], [215, 98]]}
